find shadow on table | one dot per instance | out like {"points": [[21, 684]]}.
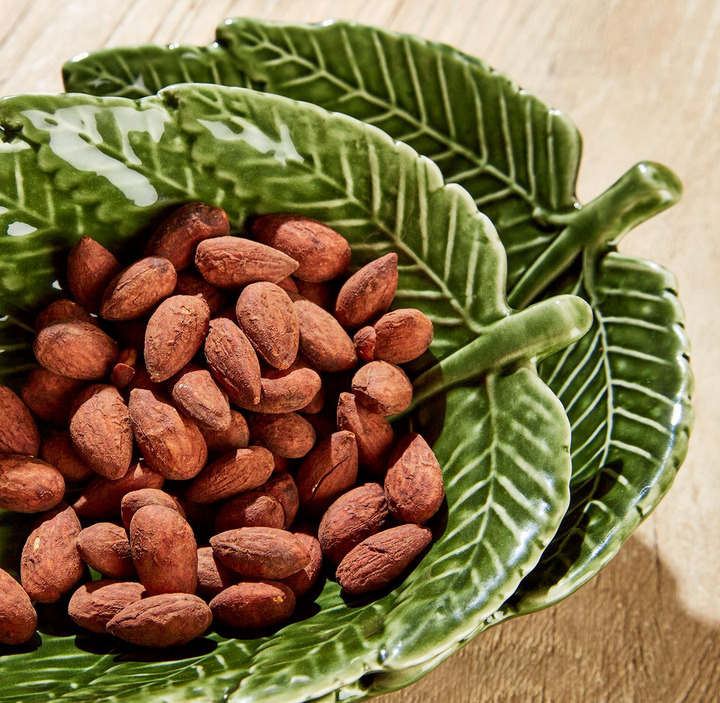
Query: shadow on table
{"points": [[625, 637]]}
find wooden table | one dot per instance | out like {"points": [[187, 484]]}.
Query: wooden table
{"points": [[641, 79]]}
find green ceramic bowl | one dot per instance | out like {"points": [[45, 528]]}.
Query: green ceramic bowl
{"points": [[111, 167], [626, 385]]}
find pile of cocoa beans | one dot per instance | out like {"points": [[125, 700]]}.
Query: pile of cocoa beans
{"points": [[211, 393]]}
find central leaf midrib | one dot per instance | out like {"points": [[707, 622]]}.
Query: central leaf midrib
{"points": [[609, 404], [609, 401], [492, 477]]}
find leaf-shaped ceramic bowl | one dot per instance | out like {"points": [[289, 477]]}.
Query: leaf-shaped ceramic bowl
{"points": [[626, 385], [109, 167]]}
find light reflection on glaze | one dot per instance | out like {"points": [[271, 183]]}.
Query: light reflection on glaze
{"points": [[10, 147], [18, 229], [131, 120], [282, 151], [75, 138], [3, 210], [139, 83]]}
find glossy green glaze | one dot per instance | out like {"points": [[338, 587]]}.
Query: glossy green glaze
{"points": [[109, 167], [626, 388], [519, 160]]}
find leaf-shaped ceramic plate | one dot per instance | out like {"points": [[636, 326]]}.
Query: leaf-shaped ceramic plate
{"points": [[73, 165], [627, 384]]}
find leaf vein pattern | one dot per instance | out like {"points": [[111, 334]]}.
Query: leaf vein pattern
{"points": [[420, 124]]}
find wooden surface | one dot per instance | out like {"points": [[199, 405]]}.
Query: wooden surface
{"points": [[641, 79]]}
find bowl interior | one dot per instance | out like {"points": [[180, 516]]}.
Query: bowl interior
{"points": [[518, 158], [108, 167]]}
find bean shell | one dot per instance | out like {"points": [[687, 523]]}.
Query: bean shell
{"points": [[166, 620], [171, 443], [175, 331], [235, 436], [18, 432], [58, 451], [90, 269], [382, 388], [288, 435], [18, 618], [365, 339], [282, 487], [233, 362], [94, 604], [285, 391], [133, 501], [122, 375], [100, 430], [323, 342], [105, 547], [401, 336], [163, 550], [232, 262], [368, 293], [251, 509], [178, 235], [268, 318], [373, 433], [380, 559], [260, 552], [195, 392], [138, 288], [50, 396], [50, 565], [62, 310], [101, 498], [213, 576], [414, 481], [77, 350], [352, 518], [233, 473], [328, 471], [29, 485], [321, 253], [302, 581], [191, 283], [254, 605]]}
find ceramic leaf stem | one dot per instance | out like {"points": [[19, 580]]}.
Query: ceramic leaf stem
{"points": [[544, 328], [643, 192]]}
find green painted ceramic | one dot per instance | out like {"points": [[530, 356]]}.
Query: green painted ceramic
{"points": [[110, 167], [626, 385]]}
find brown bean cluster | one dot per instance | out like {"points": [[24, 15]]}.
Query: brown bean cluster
{"points": [[210, 393]]}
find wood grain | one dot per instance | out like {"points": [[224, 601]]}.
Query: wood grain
{"points": [[641, 79]]}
